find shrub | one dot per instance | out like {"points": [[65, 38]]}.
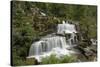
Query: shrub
{"points": [[50, 60], [68, 59], [54, 60]]}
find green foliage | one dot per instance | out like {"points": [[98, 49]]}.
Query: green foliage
{"points": [[68, 59], [54, 60], [50, 60]]}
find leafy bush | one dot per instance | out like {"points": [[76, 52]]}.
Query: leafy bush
{"points": [[50, 60], [54, 60], [68, 59]]}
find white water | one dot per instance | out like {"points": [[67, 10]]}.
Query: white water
{"points": [[66, 28], [94, 42], [57, 45]]}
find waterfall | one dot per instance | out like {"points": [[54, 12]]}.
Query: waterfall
{"points": [[55, 44], [47, 44], [66, 28]]}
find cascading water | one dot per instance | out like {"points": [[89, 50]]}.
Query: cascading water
{"points": [[58, 45], [66, 28], [47, 44]]}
